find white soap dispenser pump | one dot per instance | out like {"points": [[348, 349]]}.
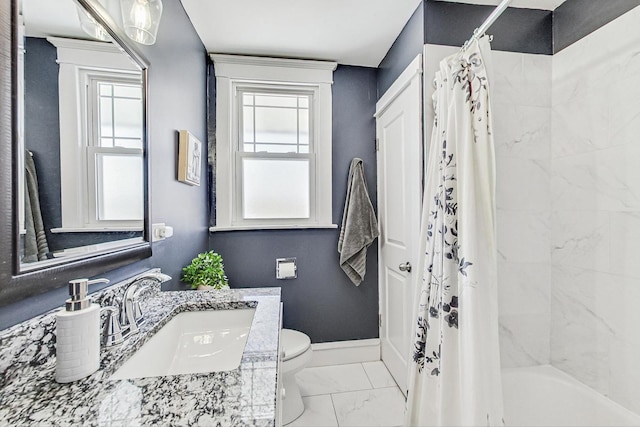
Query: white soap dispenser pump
{"points": [[78, 334]]}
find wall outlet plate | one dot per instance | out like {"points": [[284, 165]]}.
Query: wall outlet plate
{"points": [[160, 231]]}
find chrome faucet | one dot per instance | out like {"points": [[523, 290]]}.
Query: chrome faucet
{"points": [[131, 316]]}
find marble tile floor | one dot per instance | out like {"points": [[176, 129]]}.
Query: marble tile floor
{"points": [[357, 394]]}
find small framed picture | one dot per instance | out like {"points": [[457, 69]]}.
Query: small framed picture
{"points": [[189, 158]]}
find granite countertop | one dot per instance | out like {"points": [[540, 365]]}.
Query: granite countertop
{"points": [[244, 396]]}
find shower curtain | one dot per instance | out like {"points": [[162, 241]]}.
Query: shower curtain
{"points": [[454, 377]]}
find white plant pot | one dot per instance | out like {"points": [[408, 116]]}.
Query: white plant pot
{"points": [[209, 288]]}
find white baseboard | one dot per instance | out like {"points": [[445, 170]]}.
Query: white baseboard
{"points": [[343, 352]]}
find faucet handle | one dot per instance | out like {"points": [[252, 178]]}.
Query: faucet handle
{"points": [[137, 313], [112, 334]]}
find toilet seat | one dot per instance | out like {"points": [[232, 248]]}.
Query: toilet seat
{"points": [[294, 343]]}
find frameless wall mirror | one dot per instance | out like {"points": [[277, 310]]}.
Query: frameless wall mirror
{"points": [[79, 183]]}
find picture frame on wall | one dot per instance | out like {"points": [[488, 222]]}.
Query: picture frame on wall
{"points": [[189, 158]]}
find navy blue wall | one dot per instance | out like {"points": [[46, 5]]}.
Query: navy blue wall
{"points": [[177, 100], [322, 301], [516, 30], [407, 46], [575, 19], [451, 24], [42, 125]]}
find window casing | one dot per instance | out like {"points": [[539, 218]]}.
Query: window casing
{"points": [[273, 143], [114, 174], [94, 159], [275, 154]]}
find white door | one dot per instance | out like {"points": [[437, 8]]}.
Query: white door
{"points": [[399, 134]]}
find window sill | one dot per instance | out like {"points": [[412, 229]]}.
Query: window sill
{"points": [[94, 229], [271, 227], [97, 248]]}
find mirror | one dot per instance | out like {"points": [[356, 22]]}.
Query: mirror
{"points": [[80, 135], [27, 271]]}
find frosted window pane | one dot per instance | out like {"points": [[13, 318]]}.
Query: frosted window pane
{"points": [[273, 148], [247, 99], [119, 187], [304, 102], [106, 118], [128, 143], [304, 149], [276, 125], [275, 188], [106, 142], [277, 101], [128, 118], [249, 148], [303, 119], [247, 118], [105, 89], [128, 91]]}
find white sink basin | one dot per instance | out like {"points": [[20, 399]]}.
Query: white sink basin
{"points": [[190, 343]]}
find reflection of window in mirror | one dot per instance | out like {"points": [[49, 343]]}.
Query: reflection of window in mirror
{"points": [[101, 122], [114, 148]]}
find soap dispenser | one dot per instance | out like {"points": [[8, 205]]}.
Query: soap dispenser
{"points": [[78, 334]]}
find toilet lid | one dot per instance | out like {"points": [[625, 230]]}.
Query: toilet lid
{"points": [[294, 343]]}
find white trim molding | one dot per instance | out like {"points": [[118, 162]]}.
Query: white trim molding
{"points": [[91, 54], [77, 60], [415, 67], [273, 69], [235, 73], [344, 352], [272, 227]]}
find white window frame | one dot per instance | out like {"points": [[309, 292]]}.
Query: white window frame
{"points": [[88, 80], [242, 73], [79, 61]]}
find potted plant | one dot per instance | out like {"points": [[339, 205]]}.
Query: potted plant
{"points": [[206, 271]]}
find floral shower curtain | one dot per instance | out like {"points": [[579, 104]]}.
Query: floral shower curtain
{"points": [[454, 379]]}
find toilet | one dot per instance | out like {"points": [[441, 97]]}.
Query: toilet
{"points": [[296, 354]]}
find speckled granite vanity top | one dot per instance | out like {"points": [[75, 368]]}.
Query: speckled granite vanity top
{"points": [[244, 396]]}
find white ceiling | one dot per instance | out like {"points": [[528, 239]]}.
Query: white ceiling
{"points": [[352, 32], [45, 18]]}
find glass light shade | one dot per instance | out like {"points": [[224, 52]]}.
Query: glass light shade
{"points": [[91, 26], [140, 19]]}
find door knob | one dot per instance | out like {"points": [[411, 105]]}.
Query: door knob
{"points": [[405, 267]]}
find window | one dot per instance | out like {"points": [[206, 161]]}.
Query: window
{"points": [[114, 149], [101, 138], [273, 143]]}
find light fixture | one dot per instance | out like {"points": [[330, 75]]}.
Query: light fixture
{"points": [[90, 26], [140, 19]]}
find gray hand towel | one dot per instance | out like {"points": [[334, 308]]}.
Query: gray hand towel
{"points": [[359, 225], [35, 245]]}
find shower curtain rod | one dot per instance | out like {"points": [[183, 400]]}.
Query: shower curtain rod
{"points": [[478, 32]]}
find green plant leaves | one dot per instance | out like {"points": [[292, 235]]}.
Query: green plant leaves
{"points": [[205, 269]]}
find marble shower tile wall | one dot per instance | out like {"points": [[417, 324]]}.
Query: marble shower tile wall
{"points": [[595, 220], [522, 133]]}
